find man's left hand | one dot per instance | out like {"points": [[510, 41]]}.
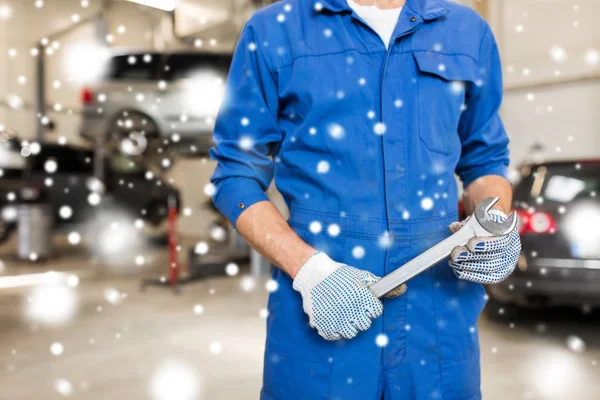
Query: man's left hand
{"points": [[486, 260]]}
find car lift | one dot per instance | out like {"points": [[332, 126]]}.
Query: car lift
{"points": [[196, 269]]}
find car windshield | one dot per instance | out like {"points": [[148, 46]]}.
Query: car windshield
{"points": [[184, 66], [560, 183], [134, 67]]}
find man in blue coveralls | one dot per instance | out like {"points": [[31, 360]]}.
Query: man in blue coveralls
{"points": [[363, 111]]}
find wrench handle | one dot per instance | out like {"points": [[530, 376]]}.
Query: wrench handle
{"points": [[423, 261]]}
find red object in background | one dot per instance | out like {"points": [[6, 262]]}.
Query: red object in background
{"points": [[462, 214], [172, 236], [87, 96], [539, 222]]}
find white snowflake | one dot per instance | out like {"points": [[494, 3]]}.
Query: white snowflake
{"points": [[358, 252], [248, 284], [323, 167], [246, 143], [74, 238], [210, 189], [15, 102], [65, 212], [271, 286], [215, 347], [457, 87], [63, 387], [336, 131], [218, 233], [94, 199], [382, 340], [592, 57], [315, 227], [379, 128], [198, 309], [558, 54], [385, 240], [576, 344], [201, 248], [174, 380], [232, 269], [333, 230], [112, 296], [56, 348], [426, 203]]}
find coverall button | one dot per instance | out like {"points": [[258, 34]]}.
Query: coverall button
{"points": [[241, 206], [413, 19]]}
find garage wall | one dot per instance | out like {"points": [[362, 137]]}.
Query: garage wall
{"points": [[66, 67], [552, 75]]}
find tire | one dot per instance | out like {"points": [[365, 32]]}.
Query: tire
{"points": [[135, 127], [6, 231]]}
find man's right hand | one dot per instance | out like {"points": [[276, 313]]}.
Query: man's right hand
{"points": [[336, 297]]}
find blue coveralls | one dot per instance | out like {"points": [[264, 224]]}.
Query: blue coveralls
{"points": [[367, 141]]}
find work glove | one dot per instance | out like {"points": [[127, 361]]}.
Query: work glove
{"points": [[336, 297], [486, 260]]}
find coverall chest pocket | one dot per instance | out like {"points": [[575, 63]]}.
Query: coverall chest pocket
{"points": [[442, 81]]}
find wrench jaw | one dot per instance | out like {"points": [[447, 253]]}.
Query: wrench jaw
{"points": [[493, 228]]}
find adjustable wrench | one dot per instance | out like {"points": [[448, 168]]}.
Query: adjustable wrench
{"points": [[479, 224]]}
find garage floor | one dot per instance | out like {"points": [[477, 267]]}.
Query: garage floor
{"points": [[123, 344]]}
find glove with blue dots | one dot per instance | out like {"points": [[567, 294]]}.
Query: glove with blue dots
{"points": [[487, 260], [336, 297]]}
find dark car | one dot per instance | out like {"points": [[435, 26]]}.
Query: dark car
{"points": [[559, 212], [63, 176]]}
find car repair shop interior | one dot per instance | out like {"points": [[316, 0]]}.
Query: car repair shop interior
{"points": [[119, 278]]}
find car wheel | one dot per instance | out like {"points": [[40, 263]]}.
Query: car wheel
{"points": [[132, 133]]}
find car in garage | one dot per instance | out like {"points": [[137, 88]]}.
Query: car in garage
{"points": [[558, 204], [78, 188], [147, 96]]}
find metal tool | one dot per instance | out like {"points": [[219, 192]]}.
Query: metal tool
{"points": [[479, 224]]}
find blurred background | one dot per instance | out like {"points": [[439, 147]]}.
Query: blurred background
{"points": [[118, 279]]}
